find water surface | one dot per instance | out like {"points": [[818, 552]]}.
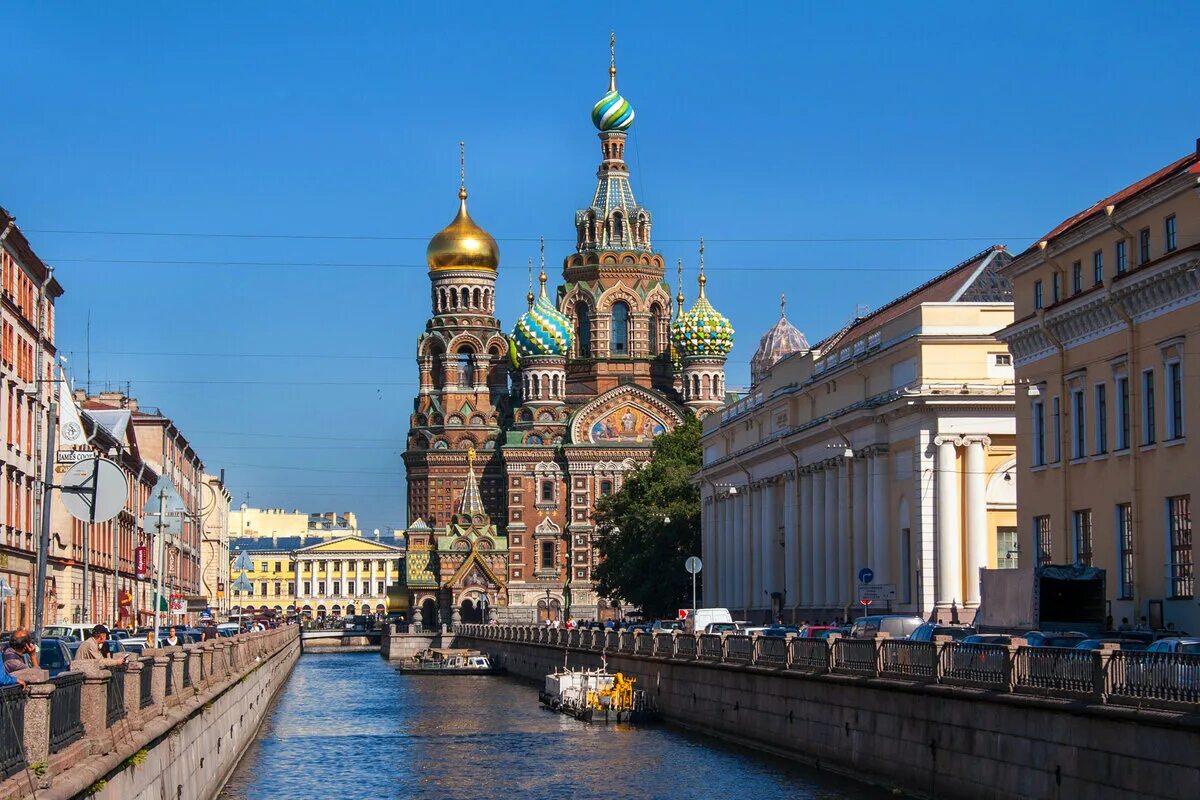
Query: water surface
{"points": [[348, 726]]}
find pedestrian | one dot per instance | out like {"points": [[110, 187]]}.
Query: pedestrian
{"points": [[172, 638], [1125, 626], [93, 648], [151, 642], [1143, 625], [209, 632], [19, 648]]}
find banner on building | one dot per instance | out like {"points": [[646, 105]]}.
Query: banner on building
{"points": [[141, 561]]}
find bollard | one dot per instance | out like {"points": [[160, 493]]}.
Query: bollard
{"points": [[37, 722], [195, 657], [175, 675], [133, 693], [93, 707], [158, 683]]}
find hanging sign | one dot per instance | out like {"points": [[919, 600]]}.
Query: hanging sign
{"points": [[141, 561]]}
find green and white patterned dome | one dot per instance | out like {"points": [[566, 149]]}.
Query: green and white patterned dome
{"points": [[543, 330], [702, 330]]}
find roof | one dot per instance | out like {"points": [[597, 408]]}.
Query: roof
{"points": [[975, 280], [24, 251], [1188, 164]]}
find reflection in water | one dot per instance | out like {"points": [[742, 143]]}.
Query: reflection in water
{"points": [[349, 726]]}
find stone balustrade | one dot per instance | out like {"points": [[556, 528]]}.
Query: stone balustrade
{"points": [[1107, 676], [102, 711]]}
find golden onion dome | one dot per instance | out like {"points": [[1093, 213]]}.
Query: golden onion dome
{"points": [[462, 244]]}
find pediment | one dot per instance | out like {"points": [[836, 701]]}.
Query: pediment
{"points": [[349, 544], [626, 415]]}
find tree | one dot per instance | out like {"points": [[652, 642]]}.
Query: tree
{"points": [[642, 554]]}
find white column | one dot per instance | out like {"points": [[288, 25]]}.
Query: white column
{"points": [[976, 508], [371, 578], [820, 565], [757, 546], [949, 555], [357, 578], [791, 542], [859, 504], [387, 575], [881, 551], [845, 552], [747, 575], [730, 555], [806, 539], [771, 551], [833, 569], [737, 523]]}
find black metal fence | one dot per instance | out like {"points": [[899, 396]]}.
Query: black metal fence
{"points": [[187, 670], [147, 683], [114, 710], [66, 724], [12, 730]]}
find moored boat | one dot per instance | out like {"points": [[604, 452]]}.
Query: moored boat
{"points": [[597, 695], [445, 661]]}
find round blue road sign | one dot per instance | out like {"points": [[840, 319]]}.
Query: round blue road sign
{"points": [[866, 575]]}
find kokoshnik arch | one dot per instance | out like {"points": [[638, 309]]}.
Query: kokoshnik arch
{"points": [[514, 437]]}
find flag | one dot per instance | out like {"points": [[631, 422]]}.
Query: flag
{"points": [[70, 426]]}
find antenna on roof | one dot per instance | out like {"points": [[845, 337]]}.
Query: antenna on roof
{"points": [[861, 310]]}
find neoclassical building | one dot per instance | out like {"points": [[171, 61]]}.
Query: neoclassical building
{"points": [[889, 446], [514, 438]]}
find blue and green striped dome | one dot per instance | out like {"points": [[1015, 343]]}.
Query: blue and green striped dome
{"points": [[541, 331], [612, 112], [702, 330]]}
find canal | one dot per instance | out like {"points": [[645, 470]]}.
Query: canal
{"points": [[348, 726]]}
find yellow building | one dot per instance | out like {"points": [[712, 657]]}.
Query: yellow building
{"points": [[272, 581], [1106, 318], [346, 576], [889, 445]]}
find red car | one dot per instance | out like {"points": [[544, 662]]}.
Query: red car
{"points": [[814, 631]]}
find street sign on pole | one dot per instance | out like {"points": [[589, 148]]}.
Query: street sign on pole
{"points": [[866, 575], [693, 565], [880, 591], [94, 490]]}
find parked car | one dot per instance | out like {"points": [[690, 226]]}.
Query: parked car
{"points": [[780, 631], [724, 627], [825, 632], [666, 625], [77, 630], [134, 646], [1188, 645], [988, 638], [898, 626], [1054, 638], [928, 630], [699, 619], [55, 655], [1122, 644], [816, 631]]}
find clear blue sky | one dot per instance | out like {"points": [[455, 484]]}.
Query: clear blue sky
{"points": [[758, 127]]}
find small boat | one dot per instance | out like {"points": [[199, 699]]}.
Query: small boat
{"points": [[444, 661], [597, 695]]}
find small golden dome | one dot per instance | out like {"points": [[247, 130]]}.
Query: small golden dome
{"points": [[462, 244]]}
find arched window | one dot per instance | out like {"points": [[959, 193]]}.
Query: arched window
{"points": [[583, 329], [618, 227], [466, 368], [620, 329], [606, 488], [554, 387], [655, 344], [466, 297], [439, 366], [453, 299], [478, 299], [537, 388]]}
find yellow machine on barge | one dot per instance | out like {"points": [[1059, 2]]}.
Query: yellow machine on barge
{"points": [[596, 695]]}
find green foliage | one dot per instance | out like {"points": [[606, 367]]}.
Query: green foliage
{"points": [[137, 758], [39, 768], [96, 788], [642, 556]]}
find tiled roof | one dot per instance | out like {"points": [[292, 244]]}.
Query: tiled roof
{"points": [[1189, 164]]}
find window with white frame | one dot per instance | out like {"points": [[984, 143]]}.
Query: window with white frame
{"points": [[1038, 413], [1125, 564], [1179, 527], [1081, 530], [1149, 426], [1122, 384], [1006, 548], [1078, 424], [1100, 422]]}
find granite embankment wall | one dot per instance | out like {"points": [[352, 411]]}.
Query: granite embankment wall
{"points": [[926, 740], [176, 726]]}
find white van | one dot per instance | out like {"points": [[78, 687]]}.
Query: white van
{"points": [[80, 631], [704, 617]]}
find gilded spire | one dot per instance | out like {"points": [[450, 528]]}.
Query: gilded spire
{"points": [[462, 244], [472, 502], [782, 305], [462, 172], [529, 297], [702, 280], [612, 61], [679, 283]]}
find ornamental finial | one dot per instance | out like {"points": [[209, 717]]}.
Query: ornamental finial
{"points": [[471, 457], [462, 170], [612, 61], [529, 297], [679, 283], [703, 280], [782, 306]]}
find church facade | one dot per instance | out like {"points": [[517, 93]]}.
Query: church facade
{"points": [[514, 437]]}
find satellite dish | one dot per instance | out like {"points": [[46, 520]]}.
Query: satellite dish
{"points": [[94, 490]]}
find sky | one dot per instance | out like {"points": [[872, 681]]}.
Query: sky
{"points": [[239, 197]]}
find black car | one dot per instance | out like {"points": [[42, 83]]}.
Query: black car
{"points": [[54, 655]]}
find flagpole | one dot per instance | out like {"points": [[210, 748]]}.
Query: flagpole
{"points": [[158, 568]]}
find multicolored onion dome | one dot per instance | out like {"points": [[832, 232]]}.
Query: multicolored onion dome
{"points": [[462, 244], [702, 330], [612, 112], [542, 330]]}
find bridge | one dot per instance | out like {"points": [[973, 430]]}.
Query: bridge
{"points": [[931, 719], [340, 640]]}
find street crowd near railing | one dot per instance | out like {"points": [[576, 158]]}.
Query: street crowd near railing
{"points": [[1108, 675], [98, 707]]}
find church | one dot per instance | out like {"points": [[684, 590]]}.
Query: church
{"points": [[514, 437]]}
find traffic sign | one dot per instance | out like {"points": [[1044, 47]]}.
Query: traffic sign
{"points": [[174, 509], [880, 591], [94, 490], [692, 565], [866, 601], [866, 575]]}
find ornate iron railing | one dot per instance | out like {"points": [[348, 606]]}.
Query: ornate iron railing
{"points": [[739, 649], [114, 710], [855, 657], [809, 655], [146, 683], [66, 724], [1055, 669], [12, 730], [900, 658], [984, 665], [1140, 678]]}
